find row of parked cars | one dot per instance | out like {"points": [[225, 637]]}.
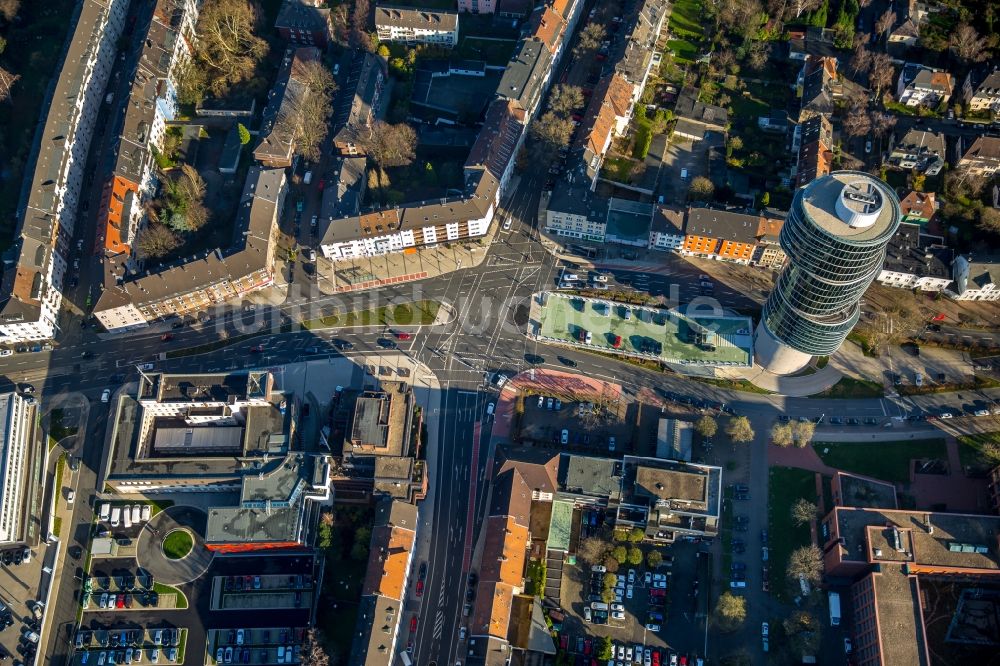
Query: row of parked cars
{"points": [[169, 637], [127, 656], [129, 515], [231, 655]]}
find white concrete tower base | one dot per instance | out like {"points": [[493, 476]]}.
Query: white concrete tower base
{"points": [[774, 355]]}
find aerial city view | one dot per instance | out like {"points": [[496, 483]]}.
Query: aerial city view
{"points": [[500, 332]]}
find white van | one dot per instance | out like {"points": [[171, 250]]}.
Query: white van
{"points": [[105, 511], [308, 178], [918, 379], [136, 512], [116, 516], [599, 606], [684, 174], [127, 517]]}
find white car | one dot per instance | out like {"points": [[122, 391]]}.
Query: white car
{"points": [[147, 511], [647, 578], [70, 496], [764, 629], [136, 513], [106, 396], [631, 575], [489, 409], [154, 655], [618, 607], [541, 401], [628, 592], [239, 636], [507, 223], [6, 352], [618, 615]]}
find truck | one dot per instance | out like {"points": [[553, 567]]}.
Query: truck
{"points": [[834, 609]]}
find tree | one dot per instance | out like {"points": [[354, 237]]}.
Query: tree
{"points": [[989, 219], [592, 550], [565, 99], [603, 648], [620, 553], [706, 426], [636, 535], [966, 43], [654, 559], [730, 611], [620, 535], [608, 595], [739, 429], [803, 432], [781, 434], [9, 9], [882, 123], [885, 22], [156, 241], [881, 73], [609, 580], [757, 55], [552, 131], [702, 189], [313, 653], [861, 61], [805, 562], [803, 512], [858, 122], [392, 145], [359, 37], [244, 134], [803, 632], [765, 199], [818, 18], [802, 6], [611, 564], [7, 81], [634, 556], [228, 48], [315, 110], [590, 38]]}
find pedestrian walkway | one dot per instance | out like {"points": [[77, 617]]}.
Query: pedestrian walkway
{"points": [[793, 386]]}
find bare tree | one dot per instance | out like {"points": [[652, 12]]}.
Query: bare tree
{"points": [[863, 4], [805, 562], [885, 22], [803, 511], [590, 39], [155, 241], [7, 81], [592, 550], [857, 123], [312, 651], [565, 99], [739, 429], [803, 432], [359, 37], [702, 189], [881, 73], [706, 426], [550, 133], [861, 61], [966, 43], [730, 611], [781, 434], [803, 631], [757, 55], [802, 6], [392, 145], [315, 111], [9, 9], [228, 46], [882, 123]]}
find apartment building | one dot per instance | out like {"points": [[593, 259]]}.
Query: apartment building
{"points": [[151, 104], [548, 27], [728, 235], [667, 230], [526, 77], [638, 54], [357, 106], [133, 301], [919, 85], [819, 85], [815, 146], [768, 252], [304, 22], [918, 207], [920, 150], [983, 156], [916, 261], [378, 232], [975, 279], [411, 25], [221, 434], [31, 285], [390, 563], [694, 117], [607, 116], [281, 119], [17, 421], [981, 90], [574, 211], [499, 140]]}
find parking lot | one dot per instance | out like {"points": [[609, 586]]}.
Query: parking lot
{"points": [[598, 426], [263, 645], [656, 612], [20, 612], [688, 159]]}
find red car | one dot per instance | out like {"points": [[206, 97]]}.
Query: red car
{"points": [[120, 601], [617, 342], [656, 658], [322, 184], [564, 641], [402, 336], [420, 587], [587, 645], [257, 349], [684, 660], [166, 337], [413, 624]]}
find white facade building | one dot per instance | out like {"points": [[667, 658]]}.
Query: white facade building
{"points": [[17, 418], [975, 280], [416, 26]]}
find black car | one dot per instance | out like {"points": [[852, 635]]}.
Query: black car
{"points": [[871, 420], [853, 421], [386, 343], [567, 361], [534, 359], [342, 344], [836, 420], [177, 324]]}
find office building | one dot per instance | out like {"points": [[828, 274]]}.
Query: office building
{"points": [[17, 419], [835, 237]]}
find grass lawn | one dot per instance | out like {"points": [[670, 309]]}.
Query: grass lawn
{"points": [[57, 431], [848, 387], [734, 384], [162, 589], [888, 461], [177, 544], [785, 486], [979, 453], [686, 27], [406, 314]]}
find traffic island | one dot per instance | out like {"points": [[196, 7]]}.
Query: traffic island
{"points": [[177, 544]]}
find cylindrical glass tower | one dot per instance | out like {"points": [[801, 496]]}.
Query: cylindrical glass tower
{"points": [[835, 238]]}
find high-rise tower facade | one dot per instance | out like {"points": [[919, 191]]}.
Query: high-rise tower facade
{"points": [[835, 238]]}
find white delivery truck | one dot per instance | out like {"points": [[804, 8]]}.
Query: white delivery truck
{"points": [[116, 516], [834, 609]]}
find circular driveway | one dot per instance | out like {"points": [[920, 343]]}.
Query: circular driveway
{"points": [[149, 551]]}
